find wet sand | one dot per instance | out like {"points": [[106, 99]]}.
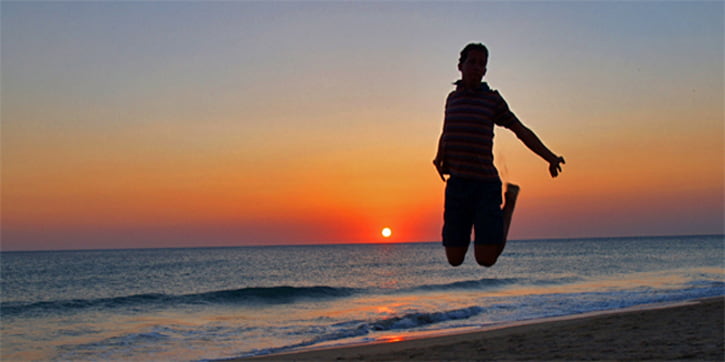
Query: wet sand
{"points": [[687, 331]]}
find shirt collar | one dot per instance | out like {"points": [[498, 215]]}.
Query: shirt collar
{"points": [[482, 88]]}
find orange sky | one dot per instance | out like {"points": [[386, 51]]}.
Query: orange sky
{"points": [[322, 128]]}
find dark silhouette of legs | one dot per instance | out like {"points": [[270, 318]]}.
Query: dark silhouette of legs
{"points": [[487, 254]]}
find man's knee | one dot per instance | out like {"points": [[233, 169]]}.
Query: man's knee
{"points": [[486, 261], [455, 262], [456, 255], [486, 255]]}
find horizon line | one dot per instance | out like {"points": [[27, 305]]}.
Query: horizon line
{"points": [[351, 243]]}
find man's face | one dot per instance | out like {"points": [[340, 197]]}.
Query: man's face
{"points": [[474, 67]]}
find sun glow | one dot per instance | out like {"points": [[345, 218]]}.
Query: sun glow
{"points": [[386, 232]]}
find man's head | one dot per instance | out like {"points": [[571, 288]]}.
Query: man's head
{"points": [[471, 47], [472, 63]]}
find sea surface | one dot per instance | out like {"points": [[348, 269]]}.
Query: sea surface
{"points": [[217, 303]]}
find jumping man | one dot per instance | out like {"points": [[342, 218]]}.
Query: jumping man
{"points": [[465, 153]]}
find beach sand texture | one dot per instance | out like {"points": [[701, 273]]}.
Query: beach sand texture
{"points": [[692, 331]]}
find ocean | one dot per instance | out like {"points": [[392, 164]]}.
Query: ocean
{"points": [[217, 303]]}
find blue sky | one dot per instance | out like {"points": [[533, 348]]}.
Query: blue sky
{"points": [[146, 118]]}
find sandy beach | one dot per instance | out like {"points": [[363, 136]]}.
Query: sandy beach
{"points": [[686, 331]]}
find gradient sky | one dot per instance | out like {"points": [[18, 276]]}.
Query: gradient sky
{"points": [[173, 124]]}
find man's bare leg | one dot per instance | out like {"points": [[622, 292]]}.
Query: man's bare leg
{"points": [[510, 196], [456, 255], [487, 255]]}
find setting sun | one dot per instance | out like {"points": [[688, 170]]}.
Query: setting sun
{"points": [[386, 232]]}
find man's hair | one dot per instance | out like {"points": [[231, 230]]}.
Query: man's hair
{"points": [[470, 47]]}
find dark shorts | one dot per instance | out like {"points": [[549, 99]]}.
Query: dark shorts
{"points": [[472, 204]]}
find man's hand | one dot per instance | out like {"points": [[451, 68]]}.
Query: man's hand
{"points": [[555, 166], [438, 163]]}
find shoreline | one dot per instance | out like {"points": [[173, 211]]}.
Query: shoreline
{"points": [[672, 331]]}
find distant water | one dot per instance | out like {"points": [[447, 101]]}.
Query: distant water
{"points": [[211, 303]]}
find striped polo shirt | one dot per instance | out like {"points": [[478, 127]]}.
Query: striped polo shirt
{"points": [[467, 138]]}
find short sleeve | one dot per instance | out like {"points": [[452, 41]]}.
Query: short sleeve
{"points": [[504, 117], [448, 98]]}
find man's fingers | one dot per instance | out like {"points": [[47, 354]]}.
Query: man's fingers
{"points": [[554, 169], [438, 166]]}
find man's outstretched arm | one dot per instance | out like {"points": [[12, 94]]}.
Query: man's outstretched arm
{"points": [[529, 138]]}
